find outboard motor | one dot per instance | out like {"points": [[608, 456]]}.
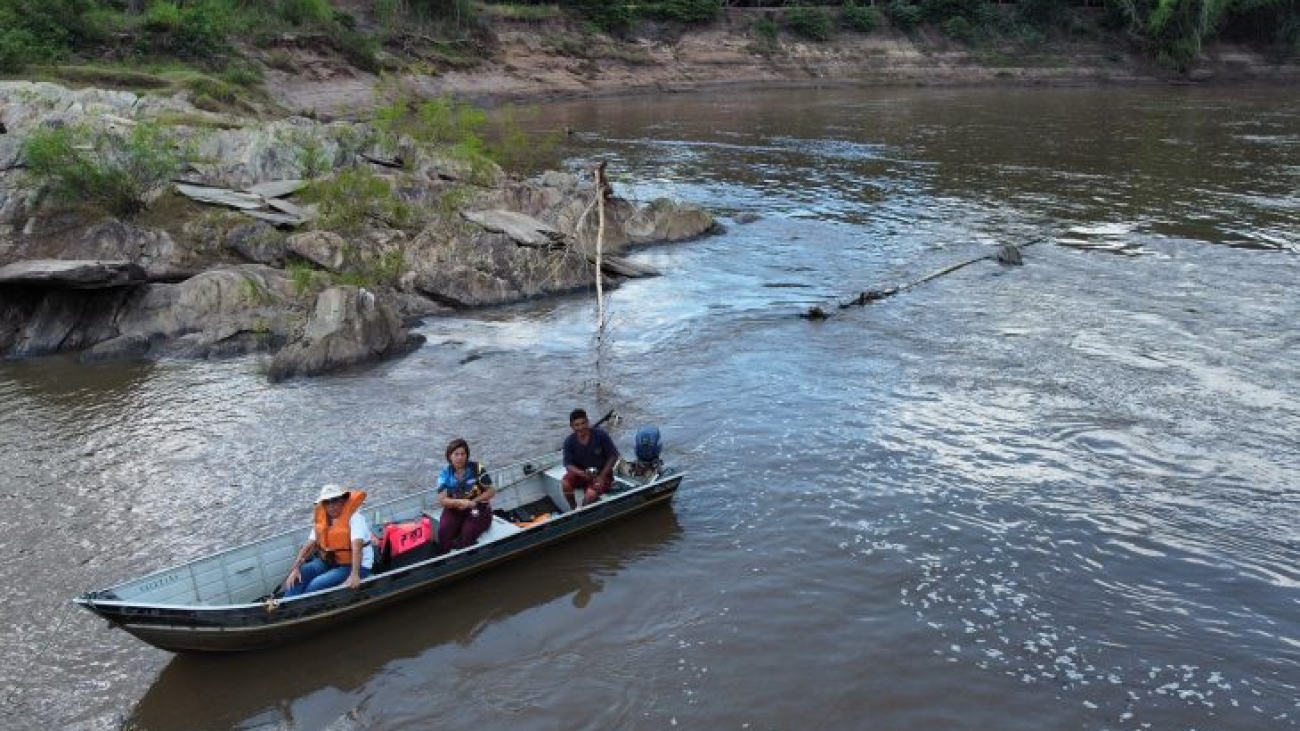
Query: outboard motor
{"points": [[647, 447], [647, 444]]}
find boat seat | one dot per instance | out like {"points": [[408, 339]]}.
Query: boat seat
{"points": [[500, 528]]}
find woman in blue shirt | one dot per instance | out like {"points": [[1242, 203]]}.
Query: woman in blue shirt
{"points": [[464, 492]]}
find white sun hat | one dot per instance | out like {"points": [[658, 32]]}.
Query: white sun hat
{"points": [[331, 491]]}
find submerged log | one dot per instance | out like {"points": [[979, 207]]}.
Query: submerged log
{"points": [[1007, 255]]}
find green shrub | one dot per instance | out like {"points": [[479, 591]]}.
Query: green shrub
{"points": [[242, 73], [764, 31], [354, 195], [305, 13], [512, 146], [194, 31], [903, 14], [357, 48], [958, 28], [612, 17], [313, 160], [108, 169], [308, 279], [435, 121], [863, 19], [63, 24], [1043, 12], [387, 268], [388, 13], [452, 200], [19, 48], [685, 11], [460, 12], [808, 22], [161, 17], [46, 31], [212, 94]]}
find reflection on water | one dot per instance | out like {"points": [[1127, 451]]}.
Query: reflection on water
{"points": [[411, 639], [1060, 495]]}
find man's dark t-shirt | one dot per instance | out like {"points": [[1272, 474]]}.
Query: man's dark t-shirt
{"points": [[591, 455]]}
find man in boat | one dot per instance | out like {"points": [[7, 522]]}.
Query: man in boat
{"points": [[340, 542], [589, 459]]}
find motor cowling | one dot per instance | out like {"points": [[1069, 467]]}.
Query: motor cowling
{"points": [[646, 444]]}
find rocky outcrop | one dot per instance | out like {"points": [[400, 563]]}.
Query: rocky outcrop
{"points": [[71, 274], [349, 326], [45, 321], [220, 312], [196, 277]]}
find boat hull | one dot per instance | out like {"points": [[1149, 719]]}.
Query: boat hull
{"points": [[256, 626]]}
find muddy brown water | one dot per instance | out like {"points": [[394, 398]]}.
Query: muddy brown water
{"points": [[1057, 496]]}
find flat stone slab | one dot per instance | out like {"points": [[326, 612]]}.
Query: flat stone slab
{"points": [[71, 273], [222, 196], [277, 188], [524, 230]]}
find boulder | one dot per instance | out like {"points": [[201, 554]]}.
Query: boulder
{"points": [[473, 267], [122, 347], [325, 249], [256, 242], [627, 224], [666, 221], [349, 326], [71, 273], [153, 249], [221, 312]]}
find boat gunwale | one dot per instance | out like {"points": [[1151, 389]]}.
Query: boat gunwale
{"points": [[94, 604]]}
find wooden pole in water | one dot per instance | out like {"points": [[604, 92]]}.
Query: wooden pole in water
{"points": [[600, 247]]}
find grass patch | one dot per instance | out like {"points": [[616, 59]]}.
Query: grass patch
{"points": [[121, 78], [197, 121], [308, 279]]}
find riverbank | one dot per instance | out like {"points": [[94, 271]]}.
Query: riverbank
{"points": [[537, 61]]}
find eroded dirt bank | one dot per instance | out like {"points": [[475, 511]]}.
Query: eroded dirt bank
{"points": [[553, 59]]}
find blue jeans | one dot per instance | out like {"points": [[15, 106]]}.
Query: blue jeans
{"points": [[317, 575]]}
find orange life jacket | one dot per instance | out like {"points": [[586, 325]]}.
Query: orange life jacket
{"points": [[335, 539]]}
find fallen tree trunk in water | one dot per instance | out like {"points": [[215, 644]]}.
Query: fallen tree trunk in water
{"points": [[1007, 255]]}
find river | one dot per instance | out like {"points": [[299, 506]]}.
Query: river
{"points": [[1055, 496]]}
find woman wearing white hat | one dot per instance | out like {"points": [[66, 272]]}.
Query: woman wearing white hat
{"points": [[340, 538]]}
